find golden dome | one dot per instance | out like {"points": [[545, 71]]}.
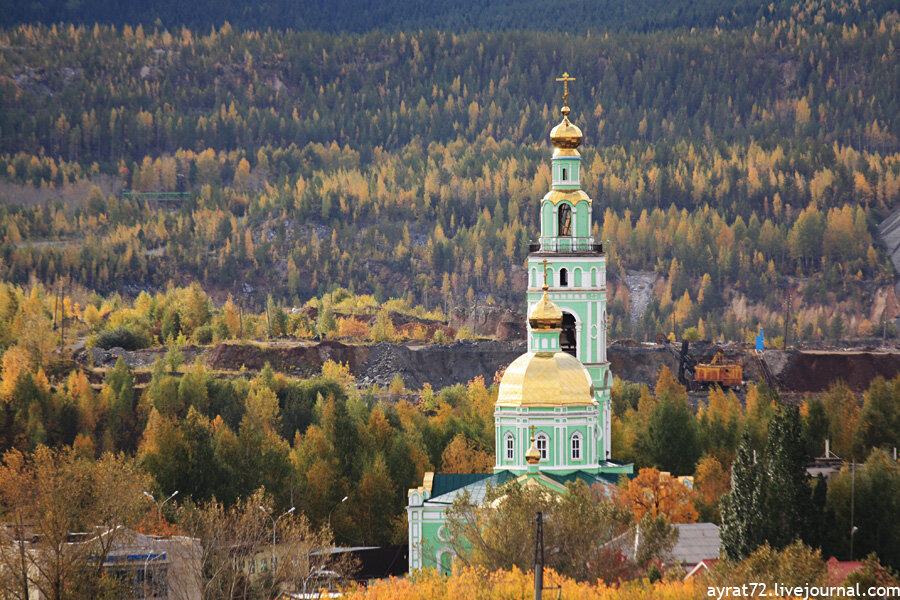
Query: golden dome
{"points": [[545, 314], [532, 455], [566, 136], [539, 379]]}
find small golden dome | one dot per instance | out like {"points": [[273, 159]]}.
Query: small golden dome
{"points": [[532, 455], [545, 314], [538, 379], [566, 136]]}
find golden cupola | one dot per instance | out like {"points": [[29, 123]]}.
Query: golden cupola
{"points": [[547, 376], [565, 137], [545, 314]]}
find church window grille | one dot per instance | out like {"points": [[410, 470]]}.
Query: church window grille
{"points": [[563, 277], [542, 445], [510, 447]]}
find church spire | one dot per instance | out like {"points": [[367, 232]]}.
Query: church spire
{"points": [[565, 137]]}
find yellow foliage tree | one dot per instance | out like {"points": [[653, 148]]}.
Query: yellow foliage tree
{"points": [[474, 583], [655, 493], [462, 456], [711, 481], [15, 362], [353, 328], [338, 371], [231, 316]]}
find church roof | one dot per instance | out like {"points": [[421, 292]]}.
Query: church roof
{"points": [[448, 485], [447, 482], [539, 379]]}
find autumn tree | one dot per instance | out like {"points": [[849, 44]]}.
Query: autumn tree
{"points": [[499, 532], [180, 454], [238, 557], [794, 565], [462, 456], [720, 423], [711, 482], [669, 439], [659, 494], [879, 419], [51, 494]]}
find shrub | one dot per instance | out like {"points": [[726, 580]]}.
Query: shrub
{"points": [[203, 335], [122, 337]]}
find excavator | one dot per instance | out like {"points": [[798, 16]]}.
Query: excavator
{"points": [[696, 375]]}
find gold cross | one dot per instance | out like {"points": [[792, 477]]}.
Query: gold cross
{"points": [[565, 79], [545, 263], [532, 433]]}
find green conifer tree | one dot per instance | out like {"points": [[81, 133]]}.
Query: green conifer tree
{"points": [[741, 508], [788, 503]]}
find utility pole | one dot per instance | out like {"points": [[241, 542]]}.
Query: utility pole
{"points": [[788, 304], [539, 558], [852, 502], [268, 322]]}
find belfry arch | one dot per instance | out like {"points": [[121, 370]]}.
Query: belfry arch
{"points": [[568, 338], [564, 222]]}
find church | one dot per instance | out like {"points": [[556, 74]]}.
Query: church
{"points": [[552, 415]]}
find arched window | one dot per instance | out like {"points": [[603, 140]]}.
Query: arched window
{"points": [[567, 339], [565, 174], [542, 443], [564, 214], [563, 278], [510, 442], [576, 446], [445, 561]]}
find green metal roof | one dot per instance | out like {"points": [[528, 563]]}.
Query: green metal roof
{"points": [[587, 477], [447, 482]]}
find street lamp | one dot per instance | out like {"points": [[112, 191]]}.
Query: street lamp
{"points": [[275, 527], [159, 505], [344, 499]]}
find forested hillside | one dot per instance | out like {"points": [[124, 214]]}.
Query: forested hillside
{"points": [[358, 16], [167, 182], [738, 164]]}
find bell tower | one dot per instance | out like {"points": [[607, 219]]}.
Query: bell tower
{"points": [[575, 265]]}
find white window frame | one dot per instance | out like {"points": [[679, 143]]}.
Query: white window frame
{"points": [[576, 446], [510, 443], [542, 443]]}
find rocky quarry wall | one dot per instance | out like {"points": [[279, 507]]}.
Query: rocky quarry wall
{"points": [[792, 371]]}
